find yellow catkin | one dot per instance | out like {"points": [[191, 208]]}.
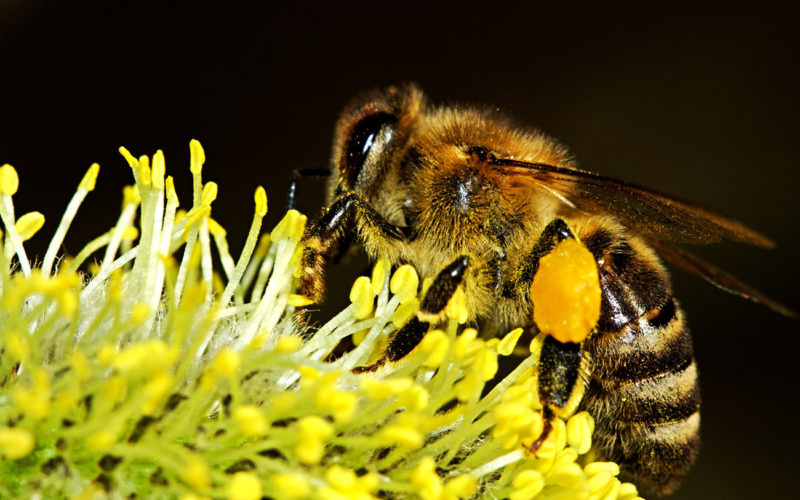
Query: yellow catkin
{"points": [[566, 292]]}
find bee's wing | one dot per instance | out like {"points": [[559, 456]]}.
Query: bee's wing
{"points": [[716, 276], [652, 214], [661, 219]]}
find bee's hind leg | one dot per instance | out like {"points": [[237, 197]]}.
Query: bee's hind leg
{"points": [[404, 340]]}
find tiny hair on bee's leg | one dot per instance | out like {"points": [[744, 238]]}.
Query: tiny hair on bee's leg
{"points": [[329, 235], [404, 340], [302, 173]]}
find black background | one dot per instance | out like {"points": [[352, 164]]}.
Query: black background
{"points": [[700, 102]]}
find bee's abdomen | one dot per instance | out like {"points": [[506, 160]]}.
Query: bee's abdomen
{"points": [[643, 391]]}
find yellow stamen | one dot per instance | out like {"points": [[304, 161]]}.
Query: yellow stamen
{"points": [[90, 178], [9, 180]]}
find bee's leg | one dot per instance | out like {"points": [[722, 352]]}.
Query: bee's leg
{"points": [[404, 340], [563, 366], [554, 233], [301, 173], [563, 376], [333, 232]]}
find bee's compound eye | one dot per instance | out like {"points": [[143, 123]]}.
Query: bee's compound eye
{"points": [[371, 133]]}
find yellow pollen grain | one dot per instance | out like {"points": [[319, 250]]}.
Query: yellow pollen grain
{"points": [[9, 180], [145, 175], [628, 491], [215, 228], [132, 162], [196, 473], [130, 195], [598, 467], [362, 298], [403, 436], [226, 362], [17, 345], [436, 345], [424, 477], [155, 390], [153, 354], [296, 300], [115, 388], [261, 201], [288, 344], [486, 364], [90, 178], [290, 227], [416, 398], [404, 283], [101, 440], [158, 170], [130, 233], [579, 432], [506, 345], [197, 156], [251, 420], [15, 442], [457, 306], [314, 426], [404, 312], [379, 273], [566, 292], [340, 477], [463, 343], [29, 224], [309, 374], [140, 313], [209, 193], [527, 484], [460, 487], [291, 485], [172, 195]]}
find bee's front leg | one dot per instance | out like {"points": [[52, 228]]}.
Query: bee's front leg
{"points": [[333, 232], [404, 340]]}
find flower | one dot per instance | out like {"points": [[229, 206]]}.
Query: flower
{"points": [[156, 373]]}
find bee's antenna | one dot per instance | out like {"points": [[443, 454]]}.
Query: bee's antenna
{"points": [[298, 174]]}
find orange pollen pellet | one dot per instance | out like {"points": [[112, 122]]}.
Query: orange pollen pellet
{"points": [[566, 292]]}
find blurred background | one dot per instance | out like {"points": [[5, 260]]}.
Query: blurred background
{"points": [[698, 101]]}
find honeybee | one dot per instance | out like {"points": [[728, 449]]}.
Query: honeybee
{"points": [[473, 201]]}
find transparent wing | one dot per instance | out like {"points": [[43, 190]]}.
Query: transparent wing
{"points": [[649, 213], [716, 276]]}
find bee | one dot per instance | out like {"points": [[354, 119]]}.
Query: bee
{"points": [[473, 201]]}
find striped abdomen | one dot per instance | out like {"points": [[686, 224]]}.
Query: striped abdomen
{"points": [[643, 391]]}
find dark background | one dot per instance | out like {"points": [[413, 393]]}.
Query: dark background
{"points": [[700, 102]]}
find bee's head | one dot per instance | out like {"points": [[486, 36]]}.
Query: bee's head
{"points": [[371, 135]]}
